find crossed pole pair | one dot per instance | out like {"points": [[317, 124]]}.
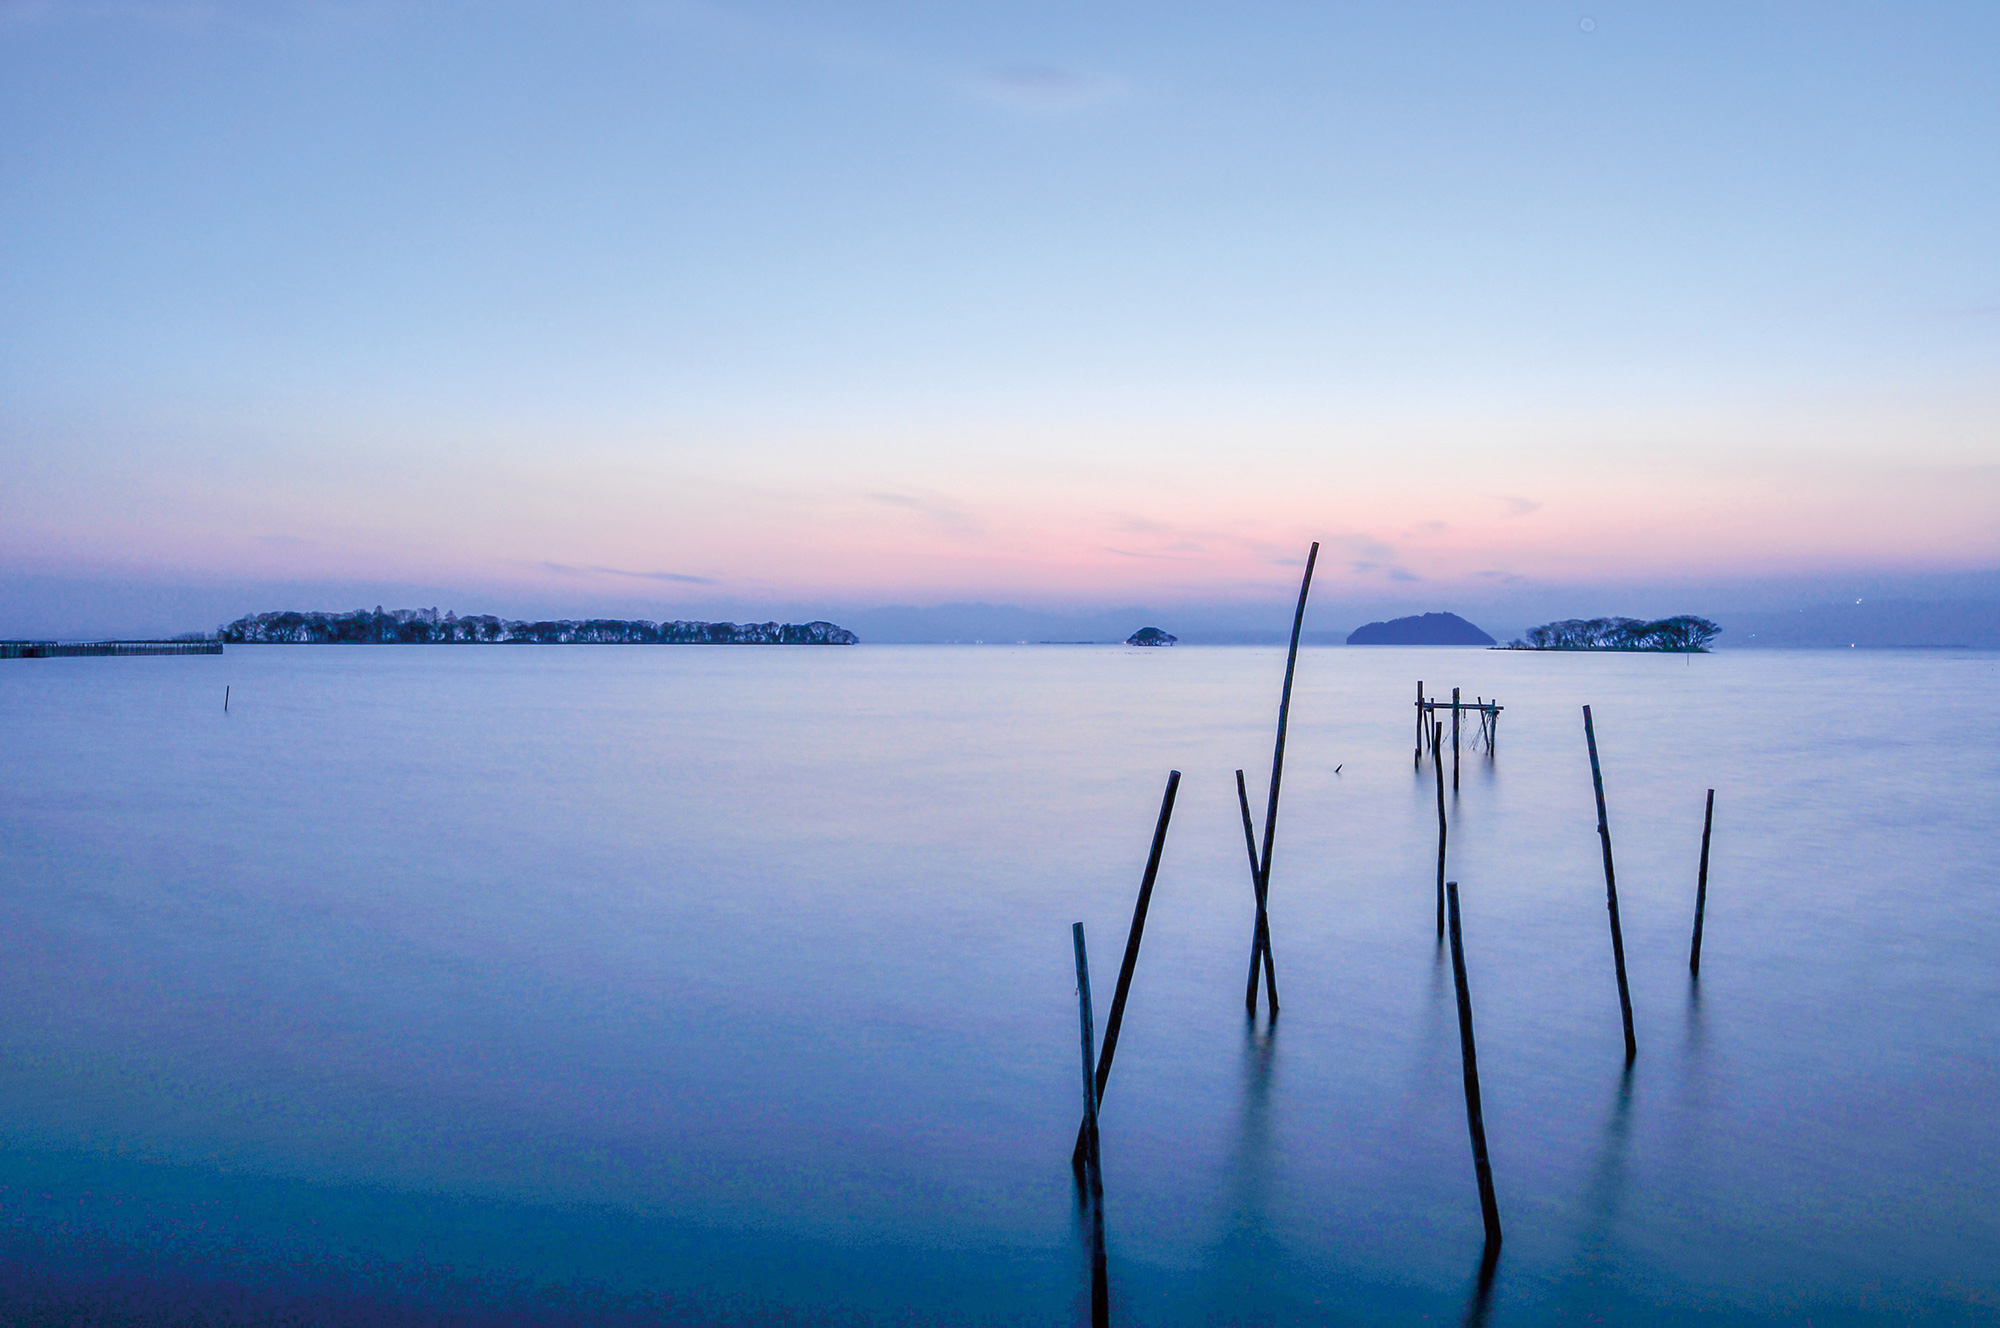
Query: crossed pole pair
{"points": [[1260, 863]]}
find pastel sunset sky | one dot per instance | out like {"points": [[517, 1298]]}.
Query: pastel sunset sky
{"points": [[1054, 304]]}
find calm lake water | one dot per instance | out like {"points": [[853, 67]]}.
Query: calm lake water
{"points": [[734, 985]]}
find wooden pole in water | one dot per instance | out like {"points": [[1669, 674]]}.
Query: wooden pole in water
{"points": [[1100, 1301], [1475, 1118], [1260, 943], [225, 698], [1610, 888], [1439, 765], [1701, 887], [1117, 1016], [1417, 762], [1093, 1175], [1249, 831], [1454, 740], [1250, 843]]}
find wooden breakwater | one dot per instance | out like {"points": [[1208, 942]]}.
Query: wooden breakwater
{"points": [[56, 649]]}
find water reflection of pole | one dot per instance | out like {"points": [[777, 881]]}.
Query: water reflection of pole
{"points": [[1100, 1309], [1482, 1290], [1439, 766], [1260, 943], [1244, 1254], [1610, 889], [1475, 1118], [1117, 1016], [1701, 887]]}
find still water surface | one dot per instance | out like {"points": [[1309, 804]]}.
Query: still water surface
{"points": [[608, 984]]}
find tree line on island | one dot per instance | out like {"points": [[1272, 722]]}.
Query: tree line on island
{"points": [[1684, 633], [426, 627]]}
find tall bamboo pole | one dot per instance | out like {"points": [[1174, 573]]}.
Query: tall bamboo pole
{"points": [[1260, 942]]}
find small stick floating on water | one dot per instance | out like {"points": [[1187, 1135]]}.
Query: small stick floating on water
{"points": [[1701, 887]]}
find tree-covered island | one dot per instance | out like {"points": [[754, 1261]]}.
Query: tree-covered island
{"points": [[1683, 634]]}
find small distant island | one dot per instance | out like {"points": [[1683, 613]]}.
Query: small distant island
{"points": [[426, 627], [1150, 636], [1683, 635], [1429, 629]]}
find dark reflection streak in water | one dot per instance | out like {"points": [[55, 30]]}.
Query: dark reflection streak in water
{"points": [[1087, 1218], [1244, 1254], [1481, 1299], [1419, 1097], [1601, 1200]]}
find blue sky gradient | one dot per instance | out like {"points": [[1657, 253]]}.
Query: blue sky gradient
{"points": [[1059, 305]]}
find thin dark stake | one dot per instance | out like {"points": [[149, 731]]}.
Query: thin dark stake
{"points": [[1475, 1119], [1249, 831], [1417, 763], [225, 698], [1250, 844], [1701, 887], [1610, 889], [1100, 1308], [1260, 943], [1454, 740], [1439, 765], [1094, 1177], [1117, 1016]]}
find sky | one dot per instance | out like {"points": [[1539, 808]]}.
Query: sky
{"points": [[687, 307]]}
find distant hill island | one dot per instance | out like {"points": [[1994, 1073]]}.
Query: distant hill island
{"points": [[1428, 629], [425, 627], [1684, 634], [1150, 636]]}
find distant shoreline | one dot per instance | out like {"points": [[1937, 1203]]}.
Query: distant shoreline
{"points": [[428, 627]]}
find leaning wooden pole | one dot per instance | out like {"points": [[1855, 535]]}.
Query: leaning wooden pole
{"points": [[1701, 887], [1610, 888], [1117, 1015], [1260, 942], [1439, 765], [1249, 830], [1256, 881], [1475, 1118]]}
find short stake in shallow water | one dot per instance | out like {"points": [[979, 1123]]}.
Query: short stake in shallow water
{"points": [[1439, 765], [1701, 886], [1100, 1301], [1417, 762], [1475, 1118], [1256, 886], [1117, 1016], [1610, 889], [1454, 740], [1260, 941]]}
